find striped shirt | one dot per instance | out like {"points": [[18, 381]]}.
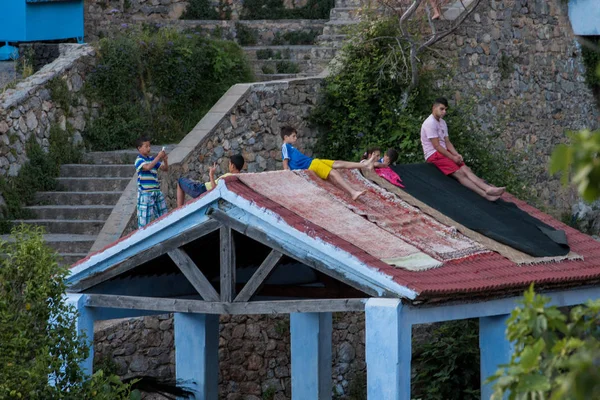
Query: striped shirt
{"points": [[147, 180]]}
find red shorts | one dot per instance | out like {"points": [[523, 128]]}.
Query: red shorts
{"points": [[444, 164]]}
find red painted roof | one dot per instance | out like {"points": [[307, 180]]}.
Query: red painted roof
{"points": [[480, 274]]}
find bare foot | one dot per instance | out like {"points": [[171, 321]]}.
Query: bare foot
{"points": [[495, 191], [436, 15], [370, 164], [357, 194], [491, 198]]}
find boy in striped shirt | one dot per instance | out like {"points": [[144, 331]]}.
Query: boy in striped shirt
{"points": [[151, 202]]}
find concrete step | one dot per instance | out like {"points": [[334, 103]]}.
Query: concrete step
{"points": [[278, 77], [338, 27], [293, 53], [98, 212], [90, 170], [350, 3], [345, 14], [309, 67], [92, 184], [66, 226], [78, 198], [70, 258], [120, 156], [454, 10], [332, 41], [78, 245]]}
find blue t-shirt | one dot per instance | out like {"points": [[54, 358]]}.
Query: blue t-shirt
{"points": [[147, 180], [297, 160]]}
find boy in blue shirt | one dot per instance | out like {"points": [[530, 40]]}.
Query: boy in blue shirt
{"points": [[151, 202], [325, 169]]}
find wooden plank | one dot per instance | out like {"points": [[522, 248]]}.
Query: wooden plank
{"points": [[206, 307], [259, 276], [177, 241], [193, 274], [227, 279], [263, 238]]}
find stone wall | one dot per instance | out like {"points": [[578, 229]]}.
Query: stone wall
{"points": [[251, 127], [254, 353], [106, 17], [521, 62], [39, 54], [29, 110]]}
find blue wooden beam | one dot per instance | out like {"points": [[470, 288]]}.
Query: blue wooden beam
{"points": [[311, 355], [84, 323], [562, 298], [388, 350], [494, 347], [197, 354]]}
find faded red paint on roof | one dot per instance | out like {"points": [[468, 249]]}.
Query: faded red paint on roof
{"points": [[482, 274]]}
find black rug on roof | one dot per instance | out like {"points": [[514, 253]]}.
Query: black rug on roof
{"points": [[501, 221]]}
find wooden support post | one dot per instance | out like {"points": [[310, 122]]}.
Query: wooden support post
{"points": [[259, 276], [388, 350], [495, 349], [311, 355], [227, 265], [194, 275], [197, 354]]}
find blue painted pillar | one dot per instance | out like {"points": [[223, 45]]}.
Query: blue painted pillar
{"points": [[85, 327], [494, 347], [311, 356], [197, 354], [388, 350]]}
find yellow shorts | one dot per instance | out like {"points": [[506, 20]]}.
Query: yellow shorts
{"points": [[321, 167]]}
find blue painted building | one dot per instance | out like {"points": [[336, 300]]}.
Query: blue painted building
{"points": [[585, 17], [38, 20], [289, 243]]}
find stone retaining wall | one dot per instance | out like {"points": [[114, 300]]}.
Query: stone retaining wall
{"points": [[250, 127], [106, 17], [29, 110], [521, 62], [254, 353]]}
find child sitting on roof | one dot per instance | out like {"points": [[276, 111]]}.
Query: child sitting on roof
{"points": [[439, 151], [325, 169], [195, 189], [382, 167]]}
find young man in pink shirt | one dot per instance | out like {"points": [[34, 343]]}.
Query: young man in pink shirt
{"points": [[439, 151]]}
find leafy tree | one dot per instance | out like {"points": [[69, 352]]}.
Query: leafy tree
{"points": [[38, 338], [556, 355]]}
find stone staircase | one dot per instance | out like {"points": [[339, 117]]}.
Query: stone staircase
{"points": [[347, 13], [274, 62], [74, 214]]}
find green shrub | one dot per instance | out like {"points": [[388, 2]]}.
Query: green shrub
{"points": [[158, 82], [275, 9], [300, 37], [200, 9], [287, 67], [362, 106], [447, 364], [591, 60], [38, 331], [267, 69], [265, 54], [556, 355], [245, 36], [37, 174]]}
